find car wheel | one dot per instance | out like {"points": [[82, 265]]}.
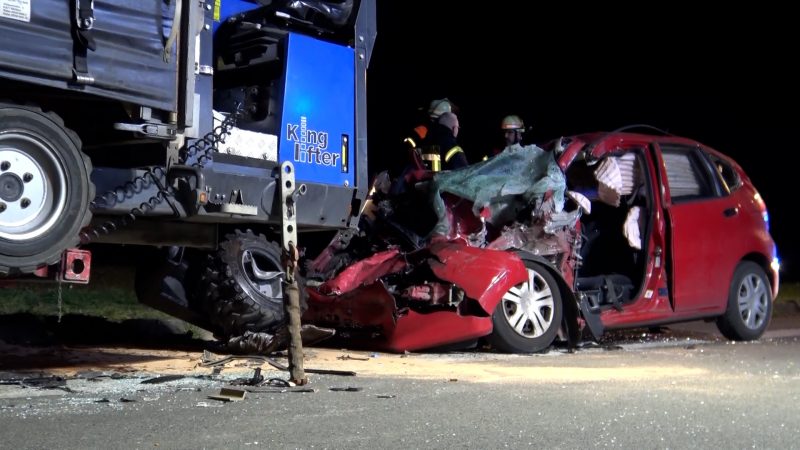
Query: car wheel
{"points": [[44, 188], [528, 317], [749, 304], [242, 286]]}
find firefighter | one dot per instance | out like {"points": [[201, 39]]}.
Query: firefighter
{"points": [[441, 147], [420, 132], [410, 159], [413, 142], [513, 127]]}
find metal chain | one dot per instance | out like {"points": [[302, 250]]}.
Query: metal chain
{"points": [[210, 141], [200, 149], [59, 300]]}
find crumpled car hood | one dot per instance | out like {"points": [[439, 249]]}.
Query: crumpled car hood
{"points": [[484, 275]]}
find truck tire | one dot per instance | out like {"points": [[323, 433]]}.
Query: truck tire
{"points": [[241, 287], [44, 188]]}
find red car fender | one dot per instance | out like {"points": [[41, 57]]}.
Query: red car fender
{"points": [[484, 275], [366, 271]]}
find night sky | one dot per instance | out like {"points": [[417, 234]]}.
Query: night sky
{"points": [[724, 82]]}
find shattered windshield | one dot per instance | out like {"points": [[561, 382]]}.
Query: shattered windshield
{"points": [[502, 186]]}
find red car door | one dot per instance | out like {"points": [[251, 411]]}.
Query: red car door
{"points": [[700, 235]]}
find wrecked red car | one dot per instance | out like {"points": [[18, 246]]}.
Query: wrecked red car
{"points": [[599, 231]]}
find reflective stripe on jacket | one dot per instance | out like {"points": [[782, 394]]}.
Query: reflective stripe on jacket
{"points": [[452, 152]]}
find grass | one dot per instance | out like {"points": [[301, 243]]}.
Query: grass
{"points": [[114, 304], [110, 294], [789, 292]]}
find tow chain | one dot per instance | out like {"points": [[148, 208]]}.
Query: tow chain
{"points": [[201, 149], [60, 306]]}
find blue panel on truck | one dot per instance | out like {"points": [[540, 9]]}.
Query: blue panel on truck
{"points": [[227, 8], [317, 124]]}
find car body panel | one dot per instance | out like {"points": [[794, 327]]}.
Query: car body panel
{"points": [[358, 303], [483, 274], [700, 272]]}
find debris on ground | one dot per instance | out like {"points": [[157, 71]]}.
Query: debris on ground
{"points": [[209, 361], [207, 405], [163, 379], [273, 390], [51, 382], [346, 389], [354, 358], [229, 395], [262, 343]]}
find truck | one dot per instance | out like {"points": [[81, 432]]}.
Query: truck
{"points": [[211, 130]]}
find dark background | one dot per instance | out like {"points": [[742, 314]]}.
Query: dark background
{"points": [[722, 77]]}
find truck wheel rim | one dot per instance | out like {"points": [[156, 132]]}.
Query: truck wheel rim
{"points": [[529, 306], [32, 187], [262, 274]]}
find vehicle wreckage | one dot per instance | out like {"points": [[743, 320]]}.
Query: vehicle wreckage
{"points": [[593, 233]]}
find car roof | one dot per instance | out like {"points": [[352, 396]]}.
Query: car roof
{"points": [[610, 141], [601, 143]]}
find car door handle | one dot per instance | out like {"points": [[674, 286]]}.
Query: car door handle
{"points": [[730, 212]]}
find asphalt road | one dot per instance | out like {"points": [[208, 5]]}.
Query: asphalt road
{"points": [[687, 389]]}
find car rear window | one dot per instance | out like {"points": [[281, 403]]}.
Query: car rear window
{"points": [[730, 177]]}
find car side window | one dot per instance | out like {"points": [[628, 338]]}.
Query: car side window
{"points": [[687, 178], [730, 178]]}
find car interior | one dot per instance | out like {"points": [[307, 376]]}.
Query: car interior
{"points": [[614, 234]]}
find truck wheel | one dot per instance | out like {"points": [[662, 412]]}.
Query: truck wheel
{"points": [[242, 286], [749, 304], [44, 188], [528, 317]]}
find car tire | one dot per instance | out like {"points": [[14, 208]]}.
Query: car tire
{"points": [[241, 288], [44, 188], [749, 304], [528, 317]]}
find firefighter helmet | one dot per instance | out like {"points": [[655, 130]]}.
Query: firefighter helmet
{"points": [[439, 107], [512, 122]]}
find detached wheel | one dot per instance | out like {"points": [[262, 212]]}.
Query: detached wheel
{"points": [[44, 188], [749, 304], [528, 317], [242, 286]]}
